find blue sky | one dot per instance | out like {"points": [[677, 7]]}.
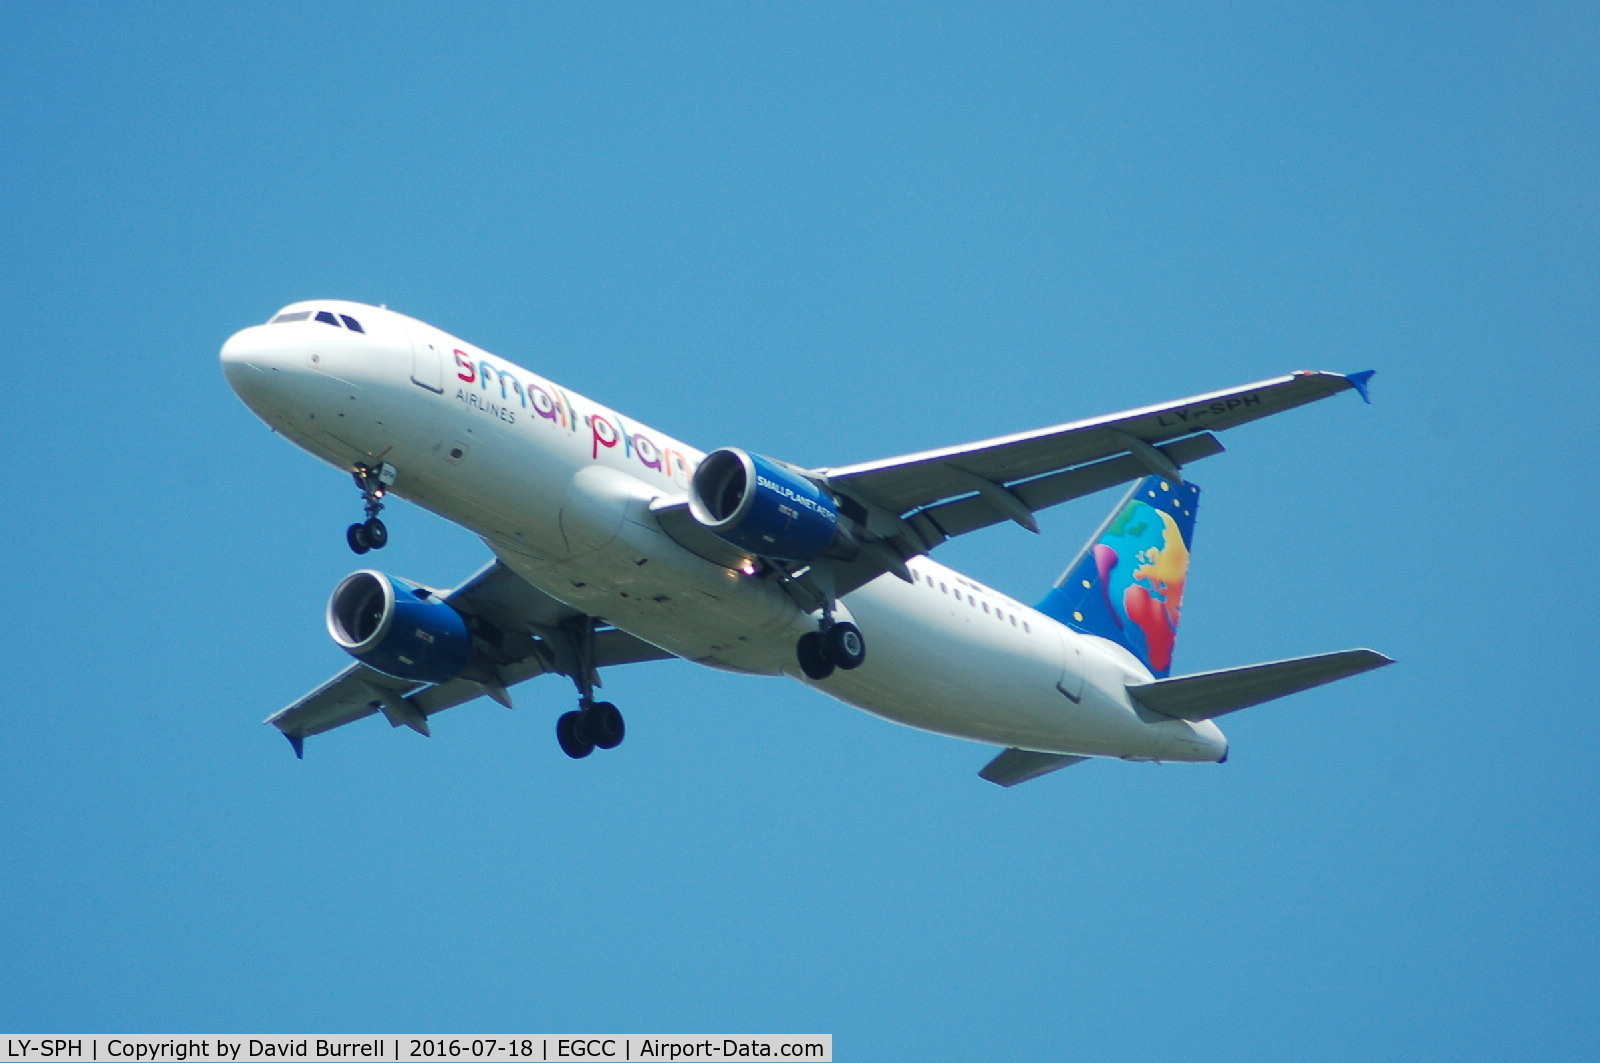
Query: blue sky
{"points": [[827, 233]]}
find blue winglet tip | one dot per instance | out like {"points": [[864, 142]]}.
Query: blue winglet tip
{"points": [[1361, 381], [299, 745]]}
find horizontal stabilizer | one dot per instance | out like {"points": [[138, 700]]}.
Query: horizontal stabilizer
{"points": [[1209, 694], [1020, 765]]}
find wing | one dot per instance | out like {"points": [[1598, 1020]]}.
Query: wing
{"points": [[915, 480], [517, 626], [910, 504], [938, 494]]}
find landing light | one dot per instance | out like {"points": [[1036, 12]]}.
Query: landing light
{"points": [[748, 567]]}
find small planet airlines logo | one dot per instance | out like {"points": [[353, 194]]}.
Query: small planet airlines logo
{"points": [[797, 498], [549, 403], [1154, 600], [1142, 563]]}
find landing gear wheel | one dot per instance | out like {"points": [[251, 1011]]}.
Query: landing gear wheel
{"points": [[813, 659], [373, 485], [845, 646], [572, 733], [605, 725]]}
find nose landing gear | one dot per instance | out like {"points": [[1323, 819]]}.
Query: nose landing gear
{"points": [[370, 534]]}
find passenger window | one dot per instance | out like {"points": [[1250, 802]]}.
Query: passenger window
{"points": [[351, 323], [1013, 621], [327, 318], [1026, 628], [298, 315], [986, 607]]}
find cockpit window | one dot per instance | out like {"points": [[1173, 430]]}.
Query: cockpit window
{"points": [[327, 317]]}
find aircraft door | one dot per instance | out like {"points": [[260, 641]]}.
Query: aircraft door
{"points": [[427, 362], [1071, 681]]}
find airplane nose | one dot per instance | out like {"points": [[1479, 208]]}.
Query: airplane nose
{"points": [[248, 364], [236, 364], [237, 351]]}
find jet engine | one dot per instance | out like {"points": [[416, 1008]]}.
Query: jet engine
{"points": [[757, 504], [398, 629]]}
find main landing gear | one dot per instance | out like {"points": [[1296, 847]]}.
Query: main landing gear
{"points": [[371, 533], [593, 724], [837, 645]]}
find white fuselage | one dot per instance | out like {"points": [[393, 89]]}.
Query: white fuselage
{"points": [[560, 487]]}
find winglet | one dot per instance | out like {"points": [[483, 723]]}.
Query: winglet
{"points": [[299, 744], [1360, 381]]}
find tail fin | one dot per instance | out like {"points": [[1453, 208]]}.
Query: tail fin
{"points": [[1127, 584]]}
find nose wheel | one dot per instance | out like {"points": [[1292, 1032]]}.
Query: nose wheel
{"points": [[370, 534], [837, 645]]}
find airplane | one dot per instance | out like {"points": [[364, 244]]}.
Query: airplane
{"points": [[616, 544]]}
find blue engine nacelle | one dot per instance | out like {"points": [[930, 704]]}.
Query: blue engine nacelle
{"points": [[400, 630], [758, 505]]}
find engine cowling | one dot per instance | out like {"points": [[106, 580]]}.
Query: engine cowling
{"points": [[398, 629], [756, 504]]}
